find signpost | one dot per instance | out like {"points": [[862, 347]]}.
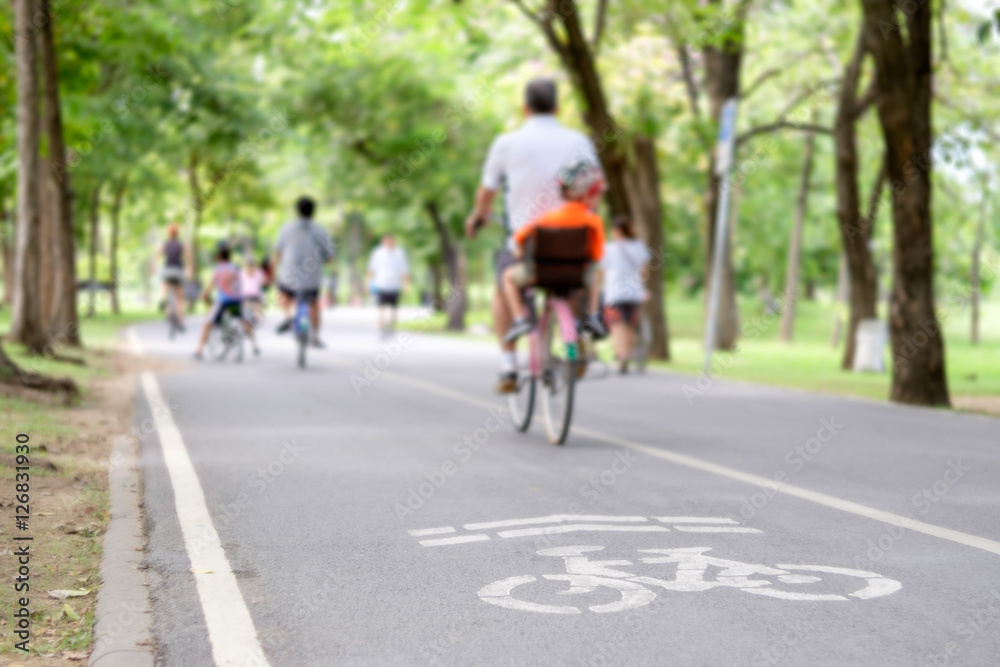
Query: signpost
{"points": [[724, 152]]}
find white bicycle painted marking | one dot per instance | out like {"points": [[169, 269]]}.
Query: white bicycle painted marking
{"points": [[691, 575]]}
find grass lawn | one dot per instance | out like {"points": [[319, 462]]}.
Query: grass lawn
{"points": [[810, 362], [68, 488]]}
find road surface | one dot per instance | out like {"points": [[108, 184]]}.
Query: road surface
{"points": [[378, 510]]}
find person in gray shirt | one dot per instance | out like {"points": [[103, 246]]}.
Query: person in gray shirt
{"points": [[303, 247]]}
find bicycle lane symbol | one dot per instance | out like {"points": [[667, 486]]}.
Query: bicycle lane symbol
{"points": [[692, 568], [691, 575]]}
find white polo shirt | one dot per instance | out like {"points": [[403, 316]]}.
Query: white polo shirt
{"points": [[530, 157]]}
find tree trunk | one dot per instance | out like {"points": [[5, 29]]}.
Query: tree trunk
{"points": [[6, 248], [197, 205], [63, 319], [642, 179], [904, 83], [975, 284], [48, 248], [795, 245], [116, 209], [95, 218], [855, 228], [27, 326], [454, 261], [723, 64], [12, 374], [839, 301], [355, 223], [437, 284]]}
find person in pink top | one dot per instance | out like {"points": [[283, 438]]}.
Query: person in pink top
{"points": [[252, 279]]}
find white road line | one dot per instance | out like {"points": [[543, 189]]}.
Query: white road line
{"points": [[230, 628], [432, 531], [576, 527], [554, 518], [723, 471], [804, 494], [444, 541], [694, 519], [716, 529]]}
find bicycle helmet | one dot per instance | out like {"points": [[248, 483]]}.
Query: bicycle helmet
{"points": [[580, 179]]}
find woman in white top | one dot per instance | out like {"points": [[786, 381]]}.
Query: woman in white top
{"points": [[624, 265]]}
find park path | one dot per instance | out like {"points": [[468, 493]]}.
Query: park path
{"points": [[394, 519]]}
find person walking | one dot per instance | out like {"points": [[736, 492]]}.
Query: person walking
{"points": [[388, 274], [625, 264]]}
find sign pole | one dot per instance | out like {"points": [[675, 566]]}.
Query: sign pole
{"points": [[723, 168]]}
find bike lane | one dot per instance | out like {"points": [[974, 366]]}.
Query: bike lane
{"points": [[330, 568]]}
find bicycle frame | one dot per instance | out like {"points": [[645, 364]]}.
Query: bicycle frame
{"points": [[553, 307]]}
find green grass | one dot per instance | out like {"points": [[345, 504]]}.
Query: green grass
{"points": [[809, 362]]}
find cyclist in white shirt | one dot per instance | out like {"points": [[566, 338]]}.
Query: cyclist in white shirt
{"points": [[527, 162], [624, 264], [388, 273]]}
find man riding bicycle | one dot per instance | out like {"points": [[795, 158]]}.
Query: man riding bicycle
{"points": [[527, 161], [172, 273], [303, 247]]}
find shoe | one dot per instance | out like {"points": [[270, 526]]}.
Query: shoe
{"points": [[507, 383], [256, 351], [318, 344], [593, 324], [285, 326], [520, 327], [623, 367]]}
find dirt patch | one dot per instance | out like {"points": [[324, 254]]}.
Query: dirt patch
{"points": [[70, 448], [987, 405]]}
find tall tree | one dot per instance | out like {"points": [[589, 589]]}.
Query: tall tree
{"points": [[95, 220], [116, 210], [27, 326], [795, 244], [63, 321], [904, 77], [631, 189], [855, 227]]}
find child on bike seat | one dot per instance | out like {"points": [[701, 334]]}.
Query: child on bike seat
{"points": [[582, 184], [226, 283]]}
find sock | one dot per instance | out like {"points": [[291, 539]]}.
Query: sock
{"points": [[508, 362]]}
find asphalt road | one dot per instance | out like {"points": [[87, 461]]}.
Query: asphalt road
{"points": [[316, 482]]}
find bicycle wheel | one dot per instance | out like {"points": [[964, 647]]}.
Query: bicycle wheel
{"points": [[558, 382], [236, 334], [521, 403], [303, 341]]}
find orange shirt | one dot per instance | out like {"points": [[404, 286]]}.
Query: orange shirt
{"points": [[571, 214]]}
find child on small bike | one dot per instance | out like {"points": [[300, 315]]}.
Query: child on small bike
{"points": [[226, 282], [582, 184]]}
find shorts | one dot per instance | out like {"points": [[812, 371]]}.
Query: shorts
{"points": [[173, 276], [524, 274], [623, 311], [310, 295], [235, 308], [387, 298], [504, 259]]}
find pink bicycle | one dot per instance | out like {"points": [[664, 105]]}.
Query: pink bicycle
{"points": [[555, 349]]}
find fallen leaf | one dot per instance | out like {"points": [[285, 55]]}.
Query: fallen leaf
{"points": [[202, 571], [76, 655], [63, 594], [72, 615]]}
